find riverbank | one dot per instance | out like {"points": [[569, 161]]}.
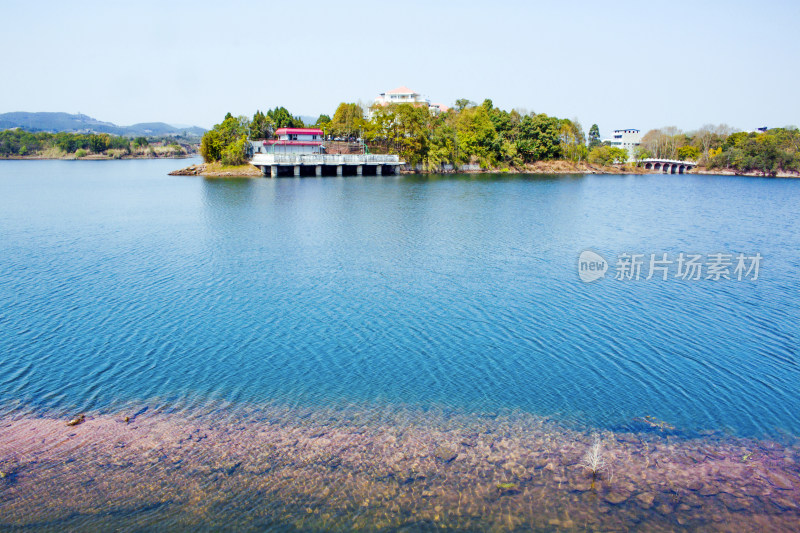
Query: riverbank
{"points": [[95, 157], [557, 166], [218, 170], [728, 172]]}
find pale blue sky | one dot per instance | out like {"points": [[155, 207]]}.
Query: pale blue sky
{"points": [[623, 64]]}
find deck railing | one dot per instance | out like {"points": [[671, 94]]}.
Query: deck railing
{"points": [[324, 159]]}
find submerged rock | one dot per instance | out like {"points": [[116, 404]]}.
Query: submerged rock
{"points": [[80, 419], [616, 497], [582, 486], [695, 485], [645, 499], [784, 504], [779, 481], [709, 490], [444, 454], [735, 504]]}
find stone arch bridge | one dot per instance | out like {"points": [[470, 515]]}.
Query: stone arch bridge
{"points": [[668, 166]]}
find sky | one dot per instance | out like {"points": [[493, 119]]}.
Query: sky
{"points": [[619, 64]]}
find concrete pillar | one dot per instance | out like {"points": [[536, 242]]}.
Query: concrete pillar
{"points": [[379, 170], [297, 171], [359, 170], [273, 173], [318, 170], [338, 170], [263, 170]]}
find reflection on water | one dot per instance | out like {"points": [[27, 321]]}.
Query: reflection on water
{"points": [[270, 467]]}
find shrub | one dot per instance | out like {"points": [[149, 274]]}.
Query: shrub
{"points": [[80, 152]]}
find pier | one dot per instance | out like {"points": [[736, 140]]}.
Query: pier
{"points": [[299, 164]]}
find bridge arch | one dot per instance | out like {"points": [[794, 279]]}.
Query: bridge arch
{"points": [[657, 166], [682, 169], [648, 166]]}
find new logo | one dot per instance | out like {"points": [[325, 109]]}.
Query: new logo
{"points": [[591, 266]]}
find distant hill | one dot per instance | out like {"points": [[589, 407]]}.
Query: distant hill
{"points": [[56, 122], [308, 120]]}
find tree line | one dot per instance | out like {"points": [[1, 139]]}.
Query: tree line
{"points": [[485, 135], [469, 134], [17, 142], [767, 152]]}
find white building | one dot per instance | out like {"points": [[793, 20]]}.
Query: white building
{"points": [[627, 139], [291, 141], [404, 95]]}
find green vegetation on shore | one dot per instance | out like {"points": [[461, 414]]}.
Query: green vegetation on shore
{"points": [[484, 136], [17, 143], [470, 134], [718, 147]]}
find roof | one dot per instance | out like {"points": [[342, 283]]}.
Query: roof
{"points": [[298, 131], [401, 90]]}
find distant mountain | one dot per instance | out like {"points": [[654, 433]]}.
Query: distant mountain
{"points": [[56, 122], [308, 120]]}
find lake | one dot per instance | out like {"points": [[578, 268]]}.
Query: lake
{"points": [[396, 352]]}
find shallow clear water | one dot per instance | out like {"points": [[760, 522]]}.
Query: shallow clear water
{"points": [[121, 284]]}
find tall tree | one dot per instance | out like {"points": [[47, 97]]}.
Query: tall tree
{"points": [[594, 136], [348, 120], [464, 103], [261, 127], [539, 137], [572, 140], [281, 118]]}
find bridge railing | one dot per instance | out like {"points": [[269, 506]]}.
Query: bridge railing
{"points": [[670, 161]]}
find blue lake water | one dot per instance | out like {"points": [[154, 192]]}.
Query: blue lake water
{"points": [[120, 284]]}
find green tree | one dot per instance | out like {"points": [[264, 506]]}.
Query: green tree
{"points": [[236, 153], [688, 153], [477, 139], [281, 118], [464, 103], [211, 146], [608, 155], [572, 140], [217, 140], [594, 136], [348, 120], [324, 123], [539, 137], [99, 143], [261, 127], [640, 152]]}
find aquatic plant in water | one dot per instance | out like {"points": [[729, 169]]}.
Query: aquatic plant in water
{"points": [[594, 460]]}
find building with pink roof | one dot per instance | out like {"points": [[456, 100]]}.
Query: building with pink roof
{"points": [[291, 141], [404, 95]]}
